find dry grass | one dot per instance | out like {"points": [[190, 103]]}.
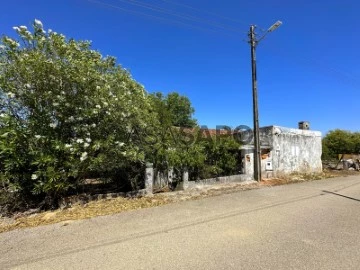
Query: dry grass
{"points": [[118, 205], [77, 212]]}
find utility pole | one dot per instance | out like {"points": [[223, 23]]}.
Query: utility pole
{"points": [[257, 150]]}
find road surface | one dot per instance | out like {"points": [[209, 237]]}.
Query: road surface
{"points": [[314, 225]]}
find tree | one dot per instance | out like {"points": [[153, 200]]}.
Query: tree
{"points": [[65, 111], [169, 147], [175, 109], [340, 142]]}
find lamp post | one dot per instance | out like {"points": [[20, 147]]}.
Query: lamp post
{"points": [[253, 43]]}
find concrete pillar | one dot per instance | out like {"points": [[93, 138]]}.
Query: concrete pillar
{"points": [[162, 179], [185, 179], [170, 175], [149, 178]]}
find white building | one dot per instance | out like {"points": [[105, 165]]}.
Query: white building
{"points": [[284, 151]]}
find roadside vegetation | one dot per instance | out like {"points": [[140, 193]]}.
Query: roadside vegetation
{"points": [[338, 142], [68, 114]]}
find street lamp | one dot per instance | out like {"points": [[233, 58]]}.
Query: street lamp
{"points": [[253, 43]]}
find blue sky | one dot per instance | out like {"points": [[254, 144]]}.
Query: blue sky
{"points": [[308, 69]]}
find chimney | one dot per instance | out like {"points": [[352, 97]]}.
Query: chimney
{"points": [[304, 125]]}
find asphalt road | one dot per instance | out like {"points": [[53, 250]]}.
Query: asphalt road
{"points": [[313, 225]]}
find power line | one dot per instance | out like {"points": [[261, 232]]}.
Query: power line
{"points": [[161, 18], [206, 11], [319, 65], [342, 76], [180, 15]]}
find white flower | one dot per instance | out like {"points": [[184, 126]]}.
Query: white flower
{"points": [[55, 104], [97, 87], [79, 140], [119, 143], [11, 95], [80, 118], [68, 145], [50, 31], [83, 156], [53, 125], [9, 40], [2, 115], [16, 28], [86, 145], [88, 140], [37, 136], [97, 146], [38, 23], [71, 118], [105, 104], [23, 27], [34, 176], [98, 106], [93, 125]]}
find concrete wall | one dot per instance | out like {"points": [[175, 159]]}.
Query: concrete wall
{"points": [[220, 180], [247, 155], [285, 150], [295, 150]]}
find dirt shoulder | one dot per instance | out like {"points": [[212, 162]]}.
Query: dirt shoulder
{"points": [[118, 205]]}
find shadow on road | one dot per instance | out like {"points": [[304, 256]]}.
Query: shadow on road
{"points": [[337, 194]]}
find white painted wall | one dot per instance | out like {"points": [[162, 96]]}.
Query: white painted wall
{"points": [[292, 150]]}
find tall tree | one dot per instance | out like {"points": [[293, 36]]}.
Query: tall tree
{"points": [[175, 109]]}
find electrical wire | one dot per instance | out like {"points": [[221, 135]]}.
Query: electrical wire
{"points": [[181, 15], [341, 76], [206, 11], [191, 26], [320, 66]]}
